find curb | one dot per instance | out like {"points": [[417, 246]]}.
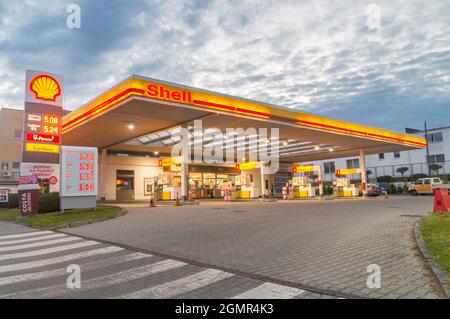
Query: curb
{"points": [[439, 274], [123, 211]]}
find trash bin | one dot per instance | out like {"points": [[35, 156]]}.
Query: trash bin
{"points": [[28, 199]]}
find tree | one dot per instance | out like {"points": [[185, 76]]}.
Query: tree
{"points": [[435, 167], [402, 170]]}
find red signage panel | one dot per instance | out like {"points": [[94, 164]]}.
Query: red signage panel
{"points": [[45, 138]]}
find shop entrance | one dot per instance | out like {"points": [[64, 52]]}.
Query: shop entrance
{"points": [[124, 185], [209, 182]]}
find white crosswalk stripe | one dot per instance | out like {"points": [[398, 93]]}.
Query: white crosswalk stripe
{"points": [[57, 260], [62, 271], [40, 243], [270, 291], [103, 281], [179, 286], [26, 240], [47, 251], [111, 274], [21, 235]]}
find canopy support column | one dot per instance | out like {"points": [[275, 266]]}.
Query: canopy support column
{"points": [[263, 182], [362, 165], [184, 181], [320, 181], [102, 168]]}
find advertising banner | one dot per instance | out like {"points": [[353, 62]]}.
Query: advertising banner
{"points": [[47, 175], [4, 195]]}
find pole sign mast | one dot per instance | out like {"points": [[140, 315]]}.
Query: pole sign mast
{"points": [[44, 101]]}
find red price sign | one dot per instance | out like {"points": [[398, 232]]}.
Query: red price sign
{"points": [[87, 156], [85, 187], [86, 166], [86, 177]]}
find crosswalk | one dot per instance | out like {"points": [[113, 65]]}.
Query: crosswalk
{"points": [[35, 265]]}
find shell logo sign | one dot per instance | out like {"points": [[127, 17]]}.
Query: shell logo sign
{"points": [[45, 87]]}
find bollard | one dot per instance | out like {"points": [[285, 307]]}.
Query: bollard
{"points": [[441, 201]]}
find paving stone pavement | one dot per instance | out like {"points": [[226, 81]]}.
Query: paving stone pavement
{"points": [[33, 264], [323, 245]]}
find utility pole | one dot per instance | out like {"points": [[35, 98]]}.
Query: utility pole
{"points": [[428, 149]]}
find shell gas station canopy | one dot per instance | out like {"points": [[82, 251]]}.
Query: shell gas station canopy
{"points": [[145, 115]]}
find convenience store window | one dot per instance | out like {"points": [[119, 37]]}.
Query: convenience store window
{"points": [[209, 180]]}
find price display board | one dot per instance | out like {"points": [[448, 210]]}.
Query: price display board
{"points": [[79, 175], [43, 117]]}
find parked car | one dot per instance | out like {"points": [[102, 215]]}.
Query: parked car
{"points": [[426, 186], [373, 190]]}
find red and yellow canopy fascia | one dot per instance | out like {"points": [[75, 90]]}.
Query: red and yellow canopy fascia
{"points": [[154, 89]]}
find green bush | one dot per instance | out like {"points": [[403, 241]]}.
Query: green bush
{"points": [[48, 203], [328, 190], [13, 202], [405, 188], [392, 189], [384, 179], [415, 177], [399, 190]]}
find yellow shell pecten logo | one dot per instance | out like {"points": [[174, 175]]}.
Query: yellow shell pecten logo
{"points": [[45, 87]]}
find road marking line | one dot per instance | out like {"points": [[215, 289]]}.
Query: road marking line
{"points": [[41, 243], [19, 241], [62, 271], [61, 259], [33, 233], [270, 291], [103, 281], [47, 250], [179, 286]]}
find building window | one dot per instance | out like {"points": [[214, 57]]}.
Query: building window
{"points": [[381, 156], [439, 158], [18, 134], [16, 166], [329, 167], [396, 154], [353, 163], [15, 175], [5, 166], [434, 137]]}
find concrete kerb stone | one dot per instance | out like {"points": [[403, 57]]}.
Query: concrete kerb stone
{"points": [[123, 211], [439, 274]]}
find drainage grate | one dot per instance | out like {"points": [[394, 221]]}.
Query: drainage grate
{"points": [[240, 211], [415, 216]]}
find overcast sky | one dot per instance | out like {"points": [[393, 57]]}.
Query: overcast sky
{"points": [[334, 58]]}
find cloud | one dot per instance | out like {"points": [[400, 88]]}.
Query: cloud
{"points": [[327, 57]]}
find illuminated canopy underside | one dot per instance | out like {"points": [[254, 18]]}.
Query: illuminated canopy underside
{"points": [[303, 137]]}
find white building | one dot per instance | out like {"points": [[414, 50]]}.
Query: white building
{"points": [[388, 163]]}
